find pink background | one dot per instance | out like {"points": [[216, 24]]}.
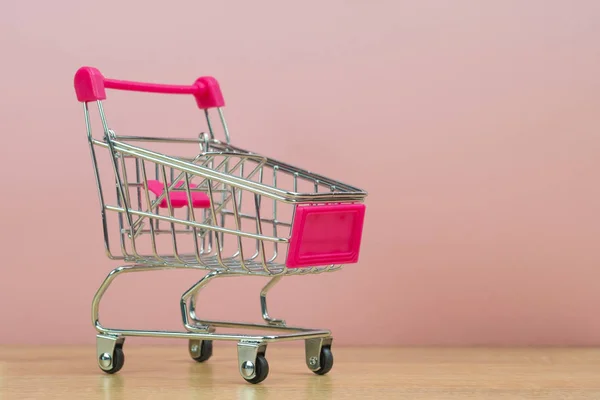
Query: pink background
{"points": [[473, 125]]}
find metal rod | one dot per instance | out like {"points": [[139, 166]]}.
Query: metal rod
{"points": [[199, 225]]}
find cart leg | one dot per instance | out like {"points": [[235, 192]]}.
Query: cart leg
{"points": [[192, 312], [200, 350], [199, 325], [263, 303], [319, 358], [252, 363], [112, 275], [109, 347]]}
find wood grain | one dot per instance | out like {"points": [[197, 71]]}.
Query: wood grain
{"points": [[157, 372]]}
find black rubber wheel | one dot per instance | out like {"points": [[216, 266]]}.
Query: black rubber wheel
{"points": [[261, 368], [118, 360], [326, 361], [206, 351]]}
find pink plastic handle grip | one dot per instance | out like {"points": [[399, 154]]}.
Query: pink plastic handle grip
{"points": [[90, 85]]}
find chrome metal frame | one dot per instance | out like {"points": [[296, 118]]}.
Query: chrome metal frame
{"points": [[231, 177]]}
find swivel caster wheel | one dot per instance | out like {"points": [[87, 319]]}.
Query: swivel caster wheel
{"points": [[325, 361], [200, 350], [109, 350], [319, 358], [252, 363], [260, 369]]}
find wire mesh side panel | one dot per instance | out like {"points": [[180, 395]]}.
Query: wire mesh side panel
{"points": [[219, 230]]}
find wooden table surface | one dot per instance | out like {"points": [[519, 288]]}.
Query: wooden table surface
{"points": [[156, 372]]}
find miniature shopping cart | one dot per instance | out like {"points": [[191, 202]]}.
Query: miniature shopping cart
{"points": [[200, 203]]}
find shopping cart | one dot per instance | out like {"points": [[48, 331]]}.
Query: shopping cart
{"points": [[212, 206]]}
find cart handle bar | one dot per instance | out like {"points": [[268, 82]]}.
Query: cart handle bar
{"points": [[90, 85]]}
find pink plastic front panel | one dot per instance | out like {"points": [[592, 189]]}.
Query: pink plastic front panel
{"points": [[326, 234]]}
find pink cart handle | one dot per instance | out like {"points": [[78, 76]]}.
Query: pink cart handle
{"points": [[90, 85]]}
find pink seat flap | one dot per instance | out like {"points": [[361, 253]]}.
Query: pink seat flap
{"points": [[179, 198]]}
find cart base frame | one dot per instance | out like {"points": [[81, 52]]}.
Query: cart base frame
{"points": [[251, 349]]}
